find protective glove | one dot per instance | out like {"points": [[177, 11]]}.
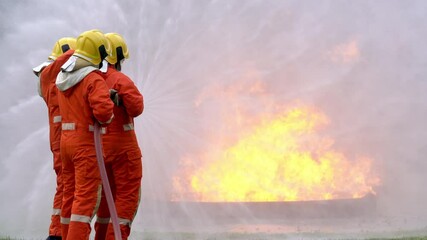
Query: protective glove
{"points": [[114, 96]]}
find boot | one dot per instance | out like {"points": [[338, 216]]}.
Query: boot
{"points": [[54, 238]]}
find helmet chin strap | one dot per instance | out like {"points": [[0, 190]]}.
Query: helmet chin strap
{"points": [[103, 54], [120, 58], [118, 66]]}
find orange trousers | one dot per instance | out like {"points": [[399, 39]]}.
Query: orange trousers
{"points": [[124, 173], [82, 190], [55, 224]]}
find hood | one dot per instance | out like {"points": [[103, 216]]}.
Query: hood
{"points": [[66, 80], [72, 72], [39, 68]]}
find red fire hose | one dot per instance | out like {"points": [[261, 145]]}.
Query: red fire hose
{"points": [[105, 183]]}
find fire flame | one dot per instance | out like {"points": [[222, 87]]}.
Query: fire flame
{"points": [[281, 159]]}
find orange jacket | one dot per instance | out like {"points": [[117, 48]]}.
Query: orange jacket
{"points": [[83, 99], [120, 136], [49, 95]]}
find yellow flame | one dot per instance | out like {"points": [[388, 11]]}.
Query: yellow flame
{"points": [[280, 160]]}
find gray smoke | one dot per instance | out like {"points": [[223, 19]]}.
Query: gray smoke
{"points": [[363, 63]]}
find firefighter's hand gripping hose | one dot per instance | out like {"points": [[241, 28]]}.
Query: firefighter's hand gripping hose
{"points": [[114, 96], [105, 183]]}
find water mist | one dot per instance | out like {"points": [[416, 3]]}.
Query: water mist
{"points": [[360, 63]]}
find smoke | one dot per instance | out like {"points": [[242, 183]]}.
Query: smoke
{"points": [[361, 62]]}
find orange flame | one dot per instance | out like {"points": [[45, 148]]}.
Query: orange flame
{"points": [[281, 159]]}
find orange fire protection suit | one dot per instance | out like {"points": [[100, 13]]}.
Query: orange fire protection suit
{"points": [[123, 158], [83, 99], [49, 95]]}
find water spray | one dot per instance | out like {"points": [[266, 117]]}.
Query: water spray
{"points": [[105, 182]]}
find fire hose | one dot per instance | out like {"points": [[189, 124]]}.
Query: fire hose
{"points": [[105, 182]]}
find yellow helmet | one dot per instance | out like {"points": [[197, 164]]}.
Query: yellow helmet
{"points": [[92, 46], [61, 46], [119, 49]]}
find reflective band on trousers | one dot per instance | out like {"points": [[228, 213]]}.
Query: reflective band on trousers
{"points": [[80, 218], [72, 126], [57, 119], [128, 127], [65, 220], [102, 220], [56, 211], [123, 221]]}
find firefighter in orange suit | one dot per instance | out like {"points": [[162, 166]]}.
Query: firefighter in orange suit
{"points": [[48, 91], [123, 159], [83, 99]]}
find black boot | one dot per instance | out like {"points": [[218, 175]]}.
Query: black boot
{"points": [[54, 238]]}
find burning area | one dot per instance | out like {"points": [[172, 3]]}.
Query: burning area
{"points": [[281, 156]]}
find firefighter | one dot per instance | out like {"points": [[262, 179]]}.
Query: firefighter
{"points": [[83, 99], [123, 159], [47, 73]]}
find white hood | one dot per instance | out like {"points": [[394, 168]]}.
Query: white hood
{"points": [[66, 80], [40, 67]]}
